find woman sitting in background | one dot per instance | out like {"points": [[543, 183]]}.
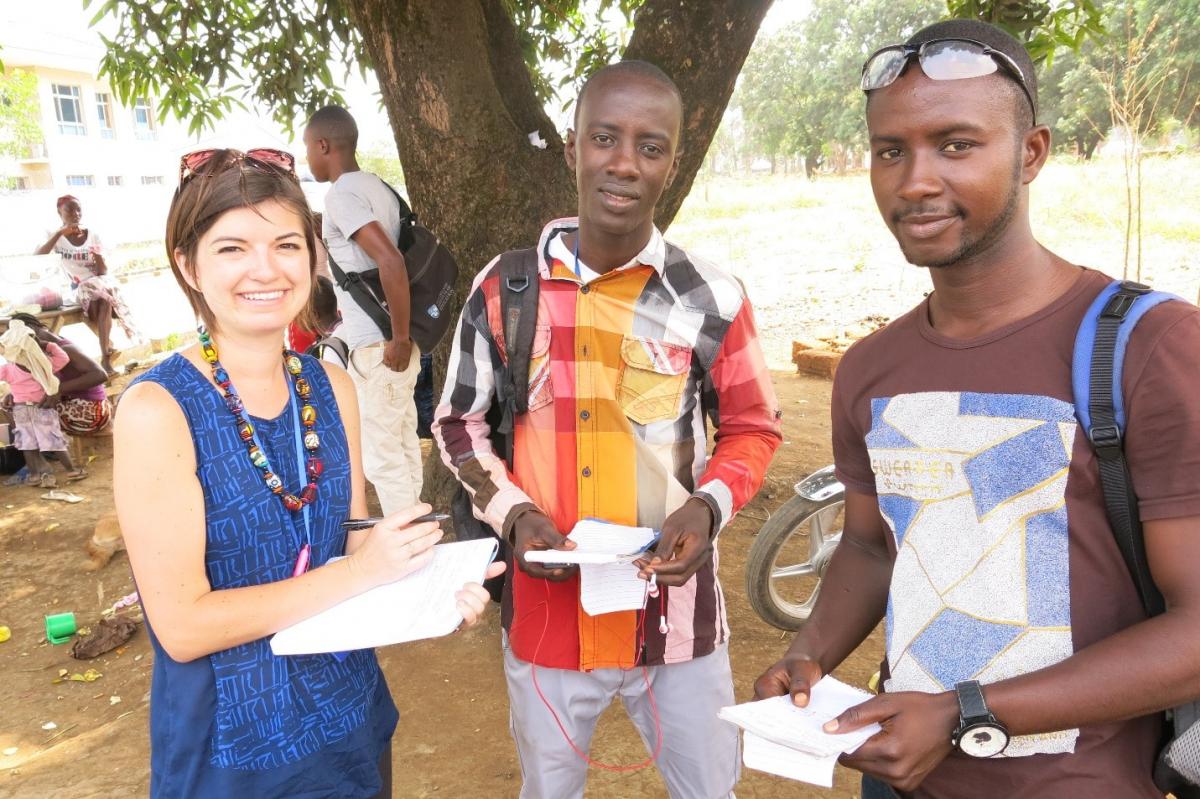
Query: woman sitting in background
{"points": [[83, 262], [236, 463]]}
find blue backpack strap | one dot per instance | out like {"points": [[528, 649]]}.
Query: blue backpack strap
{"points": [[1129, 310], [1096, 373]]}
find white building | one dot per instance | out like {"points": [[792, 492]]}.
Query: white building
{"points": [[90, 140]]}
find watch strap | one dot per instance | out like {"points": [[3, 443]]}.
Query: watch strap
{"points": [[971, 704]]}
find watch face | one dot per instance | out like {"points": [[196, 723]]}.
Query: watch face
{"points": [[983, 740]]}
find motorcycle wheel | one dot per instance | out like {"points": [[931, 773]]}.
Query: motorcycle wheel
{"points": [[789, 557]]}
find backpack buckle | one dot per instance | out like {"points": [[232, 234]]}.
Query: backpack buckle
{"points": [[517, 284], [1120, 303], [1106, 441]]}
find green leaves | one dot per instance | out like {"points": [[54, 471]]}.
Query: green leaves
{"points": [[563, 41], [203, 58], [1043, 26], [19, 112], [799, 88]]}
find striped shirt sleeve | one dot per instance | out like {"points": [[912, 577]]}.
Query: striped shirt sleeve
{"points": [[745, 413]]}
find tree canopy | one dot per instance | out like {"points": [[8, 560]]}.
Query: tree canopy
{"points": [[799, 89], [19, 112]]}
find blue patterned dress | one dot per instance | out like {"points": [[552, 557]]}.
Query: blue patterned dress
{"points": [[243, 722]]}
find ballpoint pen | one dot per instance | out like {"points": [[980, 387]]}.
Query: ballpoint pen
{"points": [[362, 524]]}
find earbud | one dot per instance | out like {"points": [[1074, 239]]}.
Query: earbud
{"points": [[663, 627]]}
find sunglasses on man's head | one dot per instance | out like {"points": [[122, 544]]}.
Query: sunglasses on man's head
{"points": [[940, 59], [215, 160]]}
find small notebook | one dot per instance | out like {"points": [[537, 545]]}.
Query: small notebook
{"points": [[779, 720], [420, 605], [608, 580]]}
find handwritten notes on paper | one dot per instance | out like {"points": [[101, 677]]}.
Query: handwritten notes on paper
{"points": [[783, 739], [420, 605], [608, 580]]}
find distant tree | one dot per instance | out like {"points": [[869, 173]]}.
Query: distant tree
{"points": [[19, 112], [799, 90], [381, 160], [1073, 102]]}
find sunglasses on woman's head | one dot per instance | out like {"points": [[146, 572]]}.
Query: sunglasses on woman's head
{"points": [[213, 160], [940, 59]]}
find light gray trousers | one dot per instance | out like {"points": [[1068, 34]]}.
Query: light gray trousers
{"points": [[700, 756]]}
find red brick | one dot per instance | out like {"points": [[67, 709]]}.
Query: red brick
{"points": [[821, 363]]}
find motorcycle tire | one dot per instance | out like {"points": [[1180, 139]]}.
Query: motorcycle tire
{"points": [[788, 607]]}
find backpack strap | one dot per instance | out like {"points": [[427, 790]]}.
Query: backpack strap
{"points": [[319, 347], [1096, 373], [518, 314], [407, 219], [353, 284]]}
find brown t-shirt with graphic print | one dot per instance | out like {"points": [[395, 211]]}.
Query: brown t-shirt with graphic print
{"points": [[1005, 561]]}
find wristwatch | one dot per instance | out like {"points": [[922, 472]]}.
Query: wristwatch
{"points": [[979, 734]]}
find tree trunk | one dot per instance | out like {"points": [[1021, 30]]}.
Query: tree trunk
{"points": [[702, 46], [462, 106]]}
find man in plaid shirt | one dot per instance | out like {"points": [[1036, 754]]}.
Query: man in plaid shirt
{"points": [[637, 342]]}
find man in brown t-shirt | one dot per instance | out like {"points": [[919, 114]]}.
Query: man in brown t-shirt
{"points": [[974, 518]]}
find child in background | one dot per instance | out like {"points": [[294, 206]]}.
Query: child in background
{"points": [[327, 346], [30, 376]]}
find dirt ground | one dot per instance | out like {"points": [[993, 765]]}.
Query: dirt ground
{"points": [[453, 736]]}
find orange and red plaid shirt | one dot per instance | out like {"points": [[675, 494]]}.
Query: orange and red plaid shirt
{"points": [[623, 374]]}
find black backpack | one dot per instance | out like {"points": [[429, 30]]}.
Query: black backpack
{"points": [[1096, 377], [330, 344], [432, 272], [518, 309]]}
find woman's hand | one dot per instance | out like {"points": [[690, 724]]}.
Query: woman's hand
{"points": [[473, 598], [394, 547], [98, 264]]}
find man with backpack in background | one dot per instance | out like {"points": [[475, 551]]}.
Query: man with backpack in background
{"points": [[1020, 659], [605, 350], [361, 228]]}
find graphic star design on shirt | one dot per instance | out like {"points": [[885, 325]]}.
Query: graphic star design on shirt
{"points": [[974, 489]]}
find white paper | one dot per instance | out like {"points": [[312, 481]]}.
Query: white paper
{"points": [[596, 542], [608, 580], [762, 755], [421, 605], [799, 728]]}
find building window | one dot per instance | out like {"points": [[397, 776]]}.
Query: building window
{"points": [[21, 184], [68, 110], [152, 180], [104, 114], [81, 180], [143, 119], [116, 180]]}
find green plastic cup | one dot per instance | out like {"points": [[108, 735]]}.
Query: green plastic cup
{"points": [[60, 627]]}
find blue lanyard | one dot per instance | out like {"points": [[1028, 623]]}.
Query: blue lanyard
{"points": [[300, 461], [578, 274]]}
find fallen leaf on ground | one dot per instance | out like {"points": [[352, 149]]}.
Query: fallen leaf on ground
{"points": [[52, 527], [49, 725], [5, 634], [114, 700], [91, 675]]}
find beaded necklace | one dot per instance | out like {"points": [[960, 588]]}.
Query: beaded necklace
{"points": [[306, 434]]}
